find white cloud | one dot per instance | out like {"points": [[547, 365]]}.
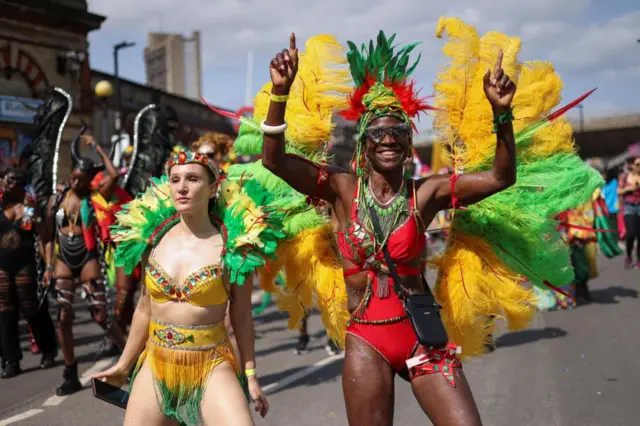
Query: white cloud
{"points": [[550, 29], [229, 26], [608, 48]]}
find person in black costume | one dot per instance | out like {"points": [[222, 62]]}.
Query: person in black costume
{"points": [[71, 223], [19, 227]]}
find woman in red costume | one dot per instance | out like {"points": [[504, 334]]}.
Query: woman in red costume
{"points": [[380, 339]]}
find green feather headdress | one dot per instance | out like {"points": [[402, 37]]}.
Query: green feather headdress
{"points": [[382, 87]]}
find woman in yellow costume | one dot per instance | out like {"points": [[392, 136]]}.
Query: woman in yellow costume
{"points": [[201, 239]]}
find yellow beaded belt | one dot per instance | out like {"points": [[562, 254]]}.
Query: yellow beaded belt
{"points": [[187, 337]]}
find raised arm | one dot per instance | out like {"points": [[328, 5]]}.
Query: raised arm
{"points": [[304, 176], [444, 191], [110, 180]]}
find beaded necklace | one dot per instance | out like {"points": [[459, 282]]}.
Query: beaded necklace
{"points": [[390, 214]]}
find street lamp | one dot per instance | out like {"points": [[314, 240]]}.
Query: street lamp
{"points": [[116, 49], [581, 109], [103, 90]]}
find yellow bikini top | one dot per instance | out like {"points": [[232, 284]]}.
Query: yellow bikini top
{"points": [[204, 287]]}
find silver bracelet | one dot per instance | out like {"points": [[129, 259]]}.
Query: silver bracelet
{"points": [[273, 130]]}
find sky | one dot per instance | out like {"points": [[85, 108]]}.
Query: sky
{"points": [[592, 43]]}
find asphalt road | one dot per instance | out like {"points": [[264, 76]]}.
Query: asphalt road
{"points": [[575, 367]]}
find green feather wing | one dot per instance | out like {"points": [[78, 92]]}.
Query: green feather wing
{"points": [[518, 222], [298, 215], [142, 223], [252, 225]]}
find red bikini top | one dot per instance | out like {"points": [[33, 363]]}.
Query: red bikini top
{"points": [[404, 244]]}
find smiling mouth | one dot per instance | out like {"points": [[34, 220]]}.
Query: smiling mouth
{"points": [[389, 153]]}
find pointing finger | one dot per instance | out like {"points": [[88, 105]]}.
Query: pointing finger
{"points": [[292, 42], [498, 62], [293, 50]]}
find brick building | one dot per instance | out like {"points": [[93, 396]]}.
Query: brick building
{"points": [[42, 44]]}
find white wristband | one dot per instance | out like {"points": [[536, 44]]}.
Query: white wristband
{"points": [[273, 130]]}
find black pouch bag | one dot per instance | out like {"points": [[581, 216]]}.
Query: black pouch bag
{"points": [[422, 309]]}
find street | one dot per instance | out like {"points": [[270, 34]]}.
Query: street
{"points": [[576, 367]]}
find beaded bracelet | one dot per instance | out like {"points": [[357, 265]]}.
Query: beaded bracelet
{"points": [[249, 372], [505, 117]]}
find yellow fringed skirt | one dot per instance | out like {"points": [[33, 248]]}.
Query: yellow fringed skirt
{"points": [[181, 358]]}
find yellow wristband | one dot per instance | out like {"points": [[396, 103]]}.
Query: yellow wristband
{"points": [[250, 372], [279, 98]]}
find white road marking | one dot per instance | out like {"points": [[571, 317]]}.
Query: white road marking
{"points": [[21, 416], [273, 387], [55, 400]]}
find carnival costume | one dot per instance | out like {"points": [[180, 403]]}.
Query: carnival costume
{"points": [[20, 276], [182, 357], [511, 235], [493, 244], [42, 163], [308, 255], [586, 229], [75, 251]]}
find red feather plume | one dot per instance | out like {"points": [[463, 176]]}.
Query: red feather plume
{"points": [[412, 104], [356, 108], [409, 98]]}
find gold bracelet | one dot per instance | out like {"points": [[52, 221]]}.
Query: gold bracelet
{"points": [[250, 372], [279, 98]]}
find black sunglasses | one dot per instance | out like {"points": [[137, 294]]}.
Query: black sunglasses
{"points": [[378, 133]]}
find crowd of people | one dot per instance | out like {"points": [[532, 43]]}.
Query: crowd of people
{"points": [[189, 229]]}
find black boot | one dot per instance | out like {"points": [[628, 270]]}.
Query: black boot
{"points": [[48, 360], [11, 369], [71, 382], [582, 293], [303, 344], [10, 338]]}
